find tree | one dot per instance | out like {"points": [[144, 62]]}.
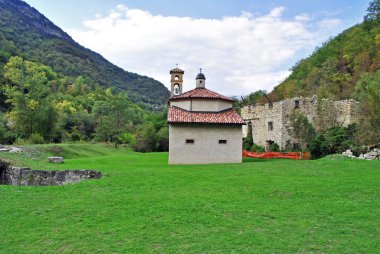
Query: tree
{"points": [[27, 90], [128, 139], [116, 116], [163, 139], [5, 136], [367, 91], [253, 97], [373, 11], [146, 138], [301, 129], [248, 141]]}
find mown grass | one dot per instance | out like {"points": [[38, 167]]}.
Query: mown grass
{"points": [[143, 205]]}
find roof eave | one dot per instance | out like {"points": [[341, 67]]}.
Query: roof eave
{"points": [[197, 97]]}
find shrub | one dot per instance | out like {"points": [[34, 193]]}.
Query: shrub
{"points": [[334, 140], [274, 147], [248, 141], [257, 148], [357, 150], [127, 138], [19, 141], [36, 138], [292, 147]]}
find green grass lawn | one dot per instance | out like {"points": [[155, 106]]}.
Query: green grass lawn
{"points": [[143, 205]]}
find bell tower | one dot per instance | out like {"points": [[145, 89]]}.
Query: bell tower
{"points": [[200, 80], [176, 81]]}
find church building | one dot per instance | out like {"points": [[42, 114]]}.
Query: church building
{"points": [[203, 126]]}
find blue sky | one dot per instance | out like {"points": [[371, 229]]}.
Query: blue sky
{"points": [[242, 45]]}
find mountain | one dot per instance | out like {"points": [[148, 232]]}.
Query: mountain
{"points": [[27, 33], [334, 70]]}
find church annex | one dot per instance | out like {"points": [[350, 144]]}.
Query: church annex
{"points": [[203, 126]]}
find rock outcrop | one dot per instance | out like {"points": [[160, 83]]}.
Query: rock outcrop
{"points": [[372, 155], [56, 159]]}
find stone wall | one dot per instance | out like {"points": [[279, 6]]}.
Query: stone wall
{"points": [[321, 113], [26, 177]]}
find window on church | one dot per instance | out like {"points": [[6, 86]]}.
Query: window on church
{"points": [[176, 78], [189, 141], [222, 141], [297, 104], [270, 126]]}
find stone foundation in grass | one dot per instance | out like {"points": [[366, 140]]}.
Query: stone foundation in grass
{"points": [[26, 177]]}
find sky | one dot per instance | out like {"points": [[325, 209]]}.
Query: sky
{"points": [[241, 45]]}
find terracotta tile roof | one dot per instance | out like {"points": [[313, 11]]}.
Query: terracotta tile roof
{"points": [[229, 116], [201, 93]]}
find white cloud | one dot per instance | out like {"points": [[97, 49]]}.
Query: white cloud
{"points": [[238, 54]]}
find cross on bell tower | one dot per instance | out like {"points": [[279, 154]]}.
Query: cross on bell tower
{"points": [[176, 81]]}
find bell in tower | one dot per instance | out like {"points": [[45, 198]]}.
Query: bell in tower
{"points": [[176, 81]]}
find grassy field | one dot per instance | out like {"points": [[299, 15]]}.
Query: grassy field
{"points": [[143, 205]]}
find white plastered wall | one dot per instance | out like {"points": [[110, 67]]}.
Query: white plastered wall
{"points": [[206, 148], [202, 105]]}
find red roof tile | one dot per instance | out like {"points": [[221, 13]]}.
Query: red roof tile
{"points": [[201, 93], [178, 115]]}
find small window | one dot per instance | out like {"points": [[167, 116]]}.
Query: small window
{"points": [[189, 141], [222, 141], [200, 81], [297, 104], [176, 78], [270, 126]]}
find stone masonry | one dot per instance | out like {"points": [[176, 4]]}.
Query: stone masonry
{"points": [[26, 177], [270, 121]]}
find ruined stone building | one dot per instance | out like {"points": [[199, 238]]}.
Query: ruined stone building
{"points": [[270, 122], [203, 126]]}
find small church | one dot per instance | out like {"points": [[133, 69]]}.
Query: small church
{"points": [[203, 126]]}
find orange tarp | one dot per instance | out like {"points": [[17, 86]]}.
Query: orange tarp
{"points": [[277, 155]]}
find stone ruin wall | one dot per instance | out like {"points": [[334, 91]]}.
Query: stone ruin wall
{"points": [[26, 177], [259, 116], [348, 112], [321, 114]]}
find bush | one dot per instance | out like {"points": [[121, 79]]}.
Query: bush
{"points": [[19, 141], [334, 141], [292, 147], [257, 148], [357, 150], [274, 147], [36, 138], [128, 139]]}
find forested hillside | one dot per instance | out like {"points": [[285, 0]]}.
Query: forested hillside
{"points": [[334, 69], [27, 33]]}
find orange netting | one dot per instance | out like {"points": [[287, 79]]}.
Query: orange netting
{"points": [[277, 155]]}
